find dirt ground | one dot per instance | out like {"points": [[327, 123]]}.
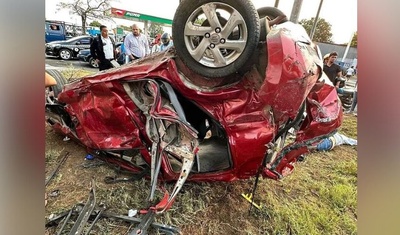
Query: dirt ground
{"points": [[72, 183], [201, 208]]}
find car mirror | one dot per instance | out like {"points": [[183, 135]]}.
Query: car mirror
{"points": [[78, 43]]}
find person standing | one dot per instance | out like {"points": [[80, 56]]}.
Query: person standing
{"points": [[166, 42], [102, 49], [122, 45], [354, 103], [156, 44], [123, 56], [136, 44], [333, 71], [350, 72]]}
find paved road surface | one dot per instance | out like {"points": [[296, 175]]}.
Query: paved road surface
{"points": [[55, 63]]}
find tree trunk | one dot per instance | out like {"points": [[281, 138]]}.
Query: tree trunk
{"points": [[83, 17]]}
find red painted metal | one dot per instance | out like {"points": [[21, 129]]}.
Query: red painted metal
{"points": [[106, 118]]}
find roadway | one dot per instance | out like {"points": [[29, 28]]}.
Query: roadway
{"points": [[52, 62]]}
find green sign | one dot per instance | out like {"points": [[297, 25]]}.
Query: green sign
{"points": [[120, 31], [129, 15]]}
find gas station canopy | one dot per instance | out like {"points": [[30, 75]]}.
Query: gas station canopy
{"points": [[129, 15]]}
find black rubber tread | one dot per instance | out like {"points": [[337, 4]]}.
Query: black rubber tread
{"points": [[60, 79], [271, 13], [243, 62], [92, 65], [64, 49]]}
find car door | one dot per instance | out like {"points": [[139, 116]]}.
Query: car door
{"points": [[54, 32], [81, 44]]}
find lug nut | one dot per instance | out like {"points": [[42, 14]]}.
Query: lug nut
{"points": [[222, 40], [207, 35], [217, 30], [212, 45]]}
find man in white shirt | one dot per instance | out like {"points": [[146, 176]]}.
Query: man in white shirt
{"points": [[350, 72], [136, 44], [102, 49]]}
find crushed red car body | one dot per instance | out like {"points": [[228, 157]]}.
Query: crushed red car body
{"points": [[185, 126], [249, 112]]}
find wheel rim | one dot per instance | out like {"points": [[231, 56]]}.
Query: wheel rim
{"points": [[211, 45], [93, 63], [64, 54]]}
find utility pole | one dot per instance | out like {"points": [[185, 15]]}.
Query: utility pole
{"points": [[294, 17], [347, 47], [276, 3], [316, 20]]}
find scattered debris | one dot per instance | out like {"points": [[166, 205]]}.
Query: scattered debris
{"points": [[249, 198], [81, 214], [54, 193], [89, 157], [56, 169], [132, 213], [92, 164]]}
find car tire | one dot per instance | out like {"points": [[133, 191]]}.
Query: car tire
{"points": [[60, 79], [271, 13], [93, 63], [65, 54], [198, 48]]}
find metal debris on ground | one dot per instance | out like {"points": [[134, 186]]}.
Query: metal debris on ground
{"points": [[56, 169], [249, 198], [81, 214], [54, 193], [92, 164]]}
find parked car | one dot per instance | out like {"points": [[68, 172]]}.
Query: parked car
{"points": [[68, 49], [217, 107], [84, 55]]}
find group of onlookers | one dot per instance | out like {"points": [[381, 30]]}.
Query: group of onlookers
{"points": [[135, 46]]}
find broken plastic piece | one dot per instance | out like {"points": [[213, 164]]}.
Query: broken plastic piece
{"points": [[89, 157], [132, 212], [249, 198]]}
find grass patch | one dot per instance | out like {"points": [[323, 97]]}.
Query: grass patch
{"points": [[320, 197], [72, 74]]}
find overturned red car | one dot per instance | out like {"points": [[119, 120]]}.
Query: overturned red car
{"points": [[218, 106]]}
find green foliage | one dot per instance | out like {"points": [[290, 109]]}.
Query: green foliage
{"points": [[199, 21], [322, 30], [154, 29], [87, 9], [354, 40], [127, 28], [72, 74], [95, 23]]}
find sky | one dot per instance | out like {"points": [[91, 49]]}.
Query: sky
{"points": [[341, 14]]}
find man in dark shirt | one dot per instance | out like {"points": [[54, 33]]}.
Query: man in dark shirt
{"points": [[333, 70], [102, 49]]}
